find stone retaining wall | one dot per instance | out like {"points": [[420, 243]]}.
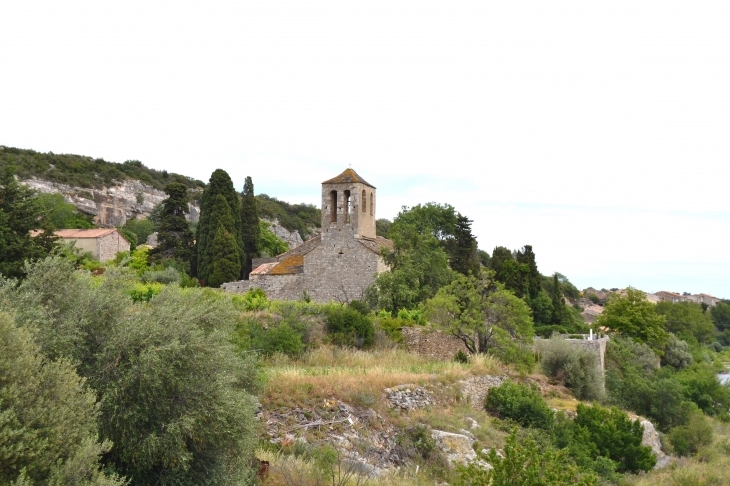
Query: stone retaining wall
{"points": [[431, 343]]}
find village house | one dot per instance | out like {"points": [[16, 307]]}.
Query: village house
{"points": [[102, 243], [338, 264]]}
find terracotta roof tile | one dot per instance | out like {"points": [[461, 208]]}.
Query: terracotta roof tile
{"points": [[347, 177], [264, 268], [85, 233]]}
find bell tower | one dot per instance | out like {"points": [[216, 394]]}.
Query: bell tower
{"points": [[348, 206]]}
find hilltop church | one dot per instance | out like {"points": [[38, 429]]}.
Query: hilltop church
{"points": [[336, 265]]}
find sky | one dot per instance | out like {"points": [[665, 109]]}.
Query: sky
{"points": [[597, 132]]}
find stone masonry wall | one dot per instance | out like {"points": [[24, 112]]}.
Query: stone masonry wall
{"points": [[597, 345], [433, 343], [110, 245]]}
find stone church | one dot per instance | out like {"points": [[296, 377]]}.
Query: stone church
{"points": [[336, 265]]}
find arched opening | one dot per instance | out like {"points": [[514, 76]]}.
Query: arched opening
{"points": [[333, 207], [364, 201], [346, 206], [372, 203]]}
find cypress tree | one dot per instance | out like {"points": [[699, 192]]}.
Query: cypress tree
{"points": [[19, 215], [175, 239], [210, 212], [531, 276], [250, 224], [464, 248], [226, 264], [556, 296]]}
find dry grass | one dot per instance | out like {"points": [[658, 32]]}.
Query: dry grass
{"points": [[348, 374]]}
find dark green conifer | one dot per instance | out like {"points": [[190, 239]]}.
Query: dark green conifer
{"points": [[226, 265], [531, 276], [220, 185], [556, 296], [463, 251], [250, 226], [175, 239], [19, 215]]}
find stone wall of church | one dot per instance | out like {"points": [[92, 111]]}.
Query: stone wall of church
{"points": [[339, 269]]}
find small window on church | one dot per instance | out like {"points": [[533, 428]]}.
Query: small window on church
{"points": [[333, 207], [372, 201], [364, 202], [346, 206]]}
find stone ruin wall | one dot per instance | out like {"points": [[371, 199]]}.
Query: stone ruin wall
{"points": [[434, 344], [597, 345]]}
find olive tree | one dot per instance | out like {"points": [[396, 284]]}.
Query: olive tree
{"points": [[486, 317]]}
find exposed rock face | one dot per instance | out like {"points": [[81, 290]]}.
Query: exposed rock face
{"points": [[456, 447], [651, 439], [111, 206], [293, 239]]}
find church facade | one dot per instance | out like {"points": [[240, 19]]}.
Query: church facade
{"points": [[336, 265]]}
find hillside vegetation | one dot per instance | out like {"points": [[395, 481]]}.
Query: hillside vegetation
{"points": [[86, 172], [300, 217]]}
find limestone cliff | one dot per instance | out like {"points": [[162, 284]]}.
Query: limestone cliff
{"points": [[111, 206]]}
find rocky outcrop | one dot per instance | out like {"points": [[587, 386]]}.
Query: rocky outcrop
{"points": [[111, 206], [291, 238], [651, 439], [456, 447]]}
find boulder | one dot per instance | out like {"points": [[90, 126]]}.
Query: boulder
{"points": [[456, 447]]}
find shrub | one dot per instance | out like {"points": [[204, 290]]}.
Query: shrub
{"points": [[688, 439], [145, 292], [278, 338], [461, 357], [253, 300], [611, 433], [577, 367], [166, 276], [520, 403], [676, 353], [348, 327], [524, 463], [392, 327]]}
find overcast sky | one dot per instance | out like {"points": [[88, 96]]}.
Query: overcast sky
{"points": [[597, 132]]}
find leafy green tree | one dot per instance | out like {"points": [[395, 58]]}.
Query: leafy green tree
{"points": [[418, 268], [463, 248], [250, 226], [211, 211], [174, 240], [382, 226], [689, 438], [524, 463], [348, 327], [438, 220], [142, 228], [485, 316], [19, 215], [721, 316], [687, 319], [633, 316], [483, 257], [48, 418], [60, 214], [702, 387], [174, 394], [676, 353]]}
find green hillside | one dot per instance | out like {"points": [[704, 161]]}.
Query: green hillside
{"points": [[82, 171]]}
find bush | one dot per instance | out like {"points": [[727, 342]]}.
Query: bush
{"points": [[348, 327], [278, 338], [612, 434], [524, 463], [461, 357], [520, 403], [392, 327], [688, 439], [577, 367], [253, 300], [145, 292], [166, 276], [676, 353]]}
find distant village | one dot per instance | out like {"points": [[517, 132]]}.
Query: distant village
{"points": [[592, 300]]}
